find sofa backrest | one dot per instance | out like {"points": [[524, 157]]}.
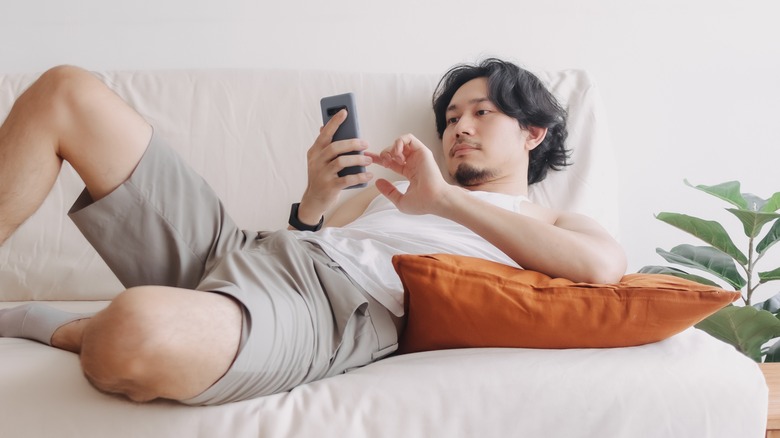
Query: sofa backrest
{"points": [[247, 133]]}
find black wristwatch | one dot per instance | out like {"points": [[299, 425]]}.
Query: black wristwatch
{"points": [[297, 224]]}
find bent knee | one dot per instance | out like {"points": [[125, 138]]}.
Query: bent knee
{"points": [[150, 343], [61, 72], [115, 351], [66, 82], [110, 375], [63, 90]]}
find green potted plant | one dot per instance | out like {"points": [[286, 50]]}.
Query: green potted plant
{"points": [[751, 326]]}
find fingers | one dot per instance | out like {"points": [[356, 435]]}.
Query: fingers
{"points": [[354, 179], [324, 145], [331, 157], [392, 157], [379, 159], [324, 172], [343, 161], [326, 159], [397, 151], [327, 131], [387, 189], [402, 147], [344, 164], [411, 142], [325, 136], [396, 156]]}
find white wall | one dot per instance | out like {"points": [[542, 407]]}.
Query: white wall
{"points": [[691, 88]]}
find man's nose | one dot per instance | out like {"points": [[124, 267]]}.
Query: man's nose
{"points": [[465, 126]]}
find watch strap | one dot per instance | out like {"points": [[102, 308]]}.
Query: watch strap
{"points": [[297, 224]]}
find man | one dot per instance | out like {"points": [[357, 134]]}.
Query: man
{"points": [[214, 314]]}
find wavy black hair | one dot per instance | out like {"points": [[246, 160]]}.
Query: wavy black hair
{"points": [[519, 94]]}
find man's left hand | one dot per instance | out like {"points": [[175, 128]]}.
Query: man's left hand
{"points": [[409, 157]]}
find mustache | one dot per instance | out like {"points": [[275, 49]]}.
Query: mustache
{"points": [[466, 142]]}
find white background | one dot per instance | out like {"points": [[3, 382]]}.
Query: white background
{"points": [[691, 88]]}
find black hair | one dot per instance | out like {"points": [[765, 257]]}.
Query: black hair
{"points": [[517, 93]]}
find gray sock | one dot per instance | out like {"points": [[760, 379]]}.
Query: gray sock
{"points": [[35, 321]]}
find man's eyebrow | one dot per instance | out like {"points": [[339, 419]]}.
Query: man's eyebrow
{"points": [[472, 101]]}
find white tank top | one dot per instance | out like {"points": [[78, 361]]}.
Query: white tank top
{"points": [[365, 247]]}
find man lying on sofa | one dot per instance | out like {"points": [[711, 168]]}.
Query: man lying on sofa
{"points": [[214, 314]]}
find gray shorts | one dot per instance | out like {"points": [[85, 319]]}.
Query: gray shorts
{"points": [[304, 317]]}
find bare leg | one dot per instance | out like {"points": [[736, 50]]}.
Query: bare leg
{"points": [[151, 341], [157, 342], [69, 336], [67, 114]]}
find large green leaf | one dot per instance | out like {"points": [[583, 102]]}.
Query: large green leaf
{"points": [[730, 192], [746, 328], [764, 277], [772, 204], [727, 191], [668, 270], [772, 305], [753, 221], [772, 236], [754, 203], [710, 232], [773, 354], [706, 259]]}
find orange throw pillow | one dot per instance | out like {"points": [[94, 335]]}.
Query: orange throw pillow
{"points": [[460, 302]]}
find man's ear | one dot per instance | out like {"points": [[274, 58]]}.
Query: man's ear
{"points": [[536, 135]]}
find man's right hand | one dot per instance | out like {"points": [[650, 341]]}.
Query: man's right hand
{"points": [[324, 163]]}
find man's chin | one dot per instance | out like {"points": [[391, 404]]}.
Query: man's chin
{"points": [[469, 176]]}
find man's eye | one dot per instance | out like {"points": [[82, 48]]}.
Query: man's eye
{"points": [[452, 120], [482, 112]]}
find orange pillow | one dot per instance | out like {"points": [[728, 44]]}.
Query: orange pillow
{"points": [[458, 302]]}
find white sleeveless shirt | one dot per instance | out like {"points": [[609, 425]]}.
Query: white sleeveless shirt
{"points": [[365, 247]]}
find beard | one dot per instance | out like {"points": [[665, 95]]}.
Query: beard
{"points": [[468, 176]]}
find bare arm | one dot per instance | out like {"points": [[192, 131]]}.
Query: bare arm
{"points": [[352, 208], [558, 244], [324, 161]]}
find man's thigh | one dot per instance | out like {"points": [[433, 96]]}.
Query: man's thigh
{"points": [[305, 320]]}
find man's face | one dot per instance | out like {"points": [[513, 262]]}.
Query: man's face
{"points": [[480, 143]]}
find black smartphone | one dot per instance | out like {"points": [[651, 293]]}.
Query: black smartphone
{"points": [[349, 129]]}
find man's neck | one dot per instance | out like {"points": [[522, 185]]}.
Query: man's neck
{"points": [[504, 187], [514, 185]]}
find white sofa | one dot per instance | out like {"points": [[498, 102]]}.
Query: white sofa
{"points": [[247, 133]]}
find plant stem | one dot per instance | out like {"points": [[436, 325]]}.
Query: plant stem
{"points": [[749, 271]]}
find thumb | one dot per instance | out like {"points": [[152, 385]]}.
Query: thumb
{"points": [[387, 189]]}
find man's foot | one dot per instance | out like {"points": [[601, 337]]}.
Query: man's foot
{"points": [[35, 321]]}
